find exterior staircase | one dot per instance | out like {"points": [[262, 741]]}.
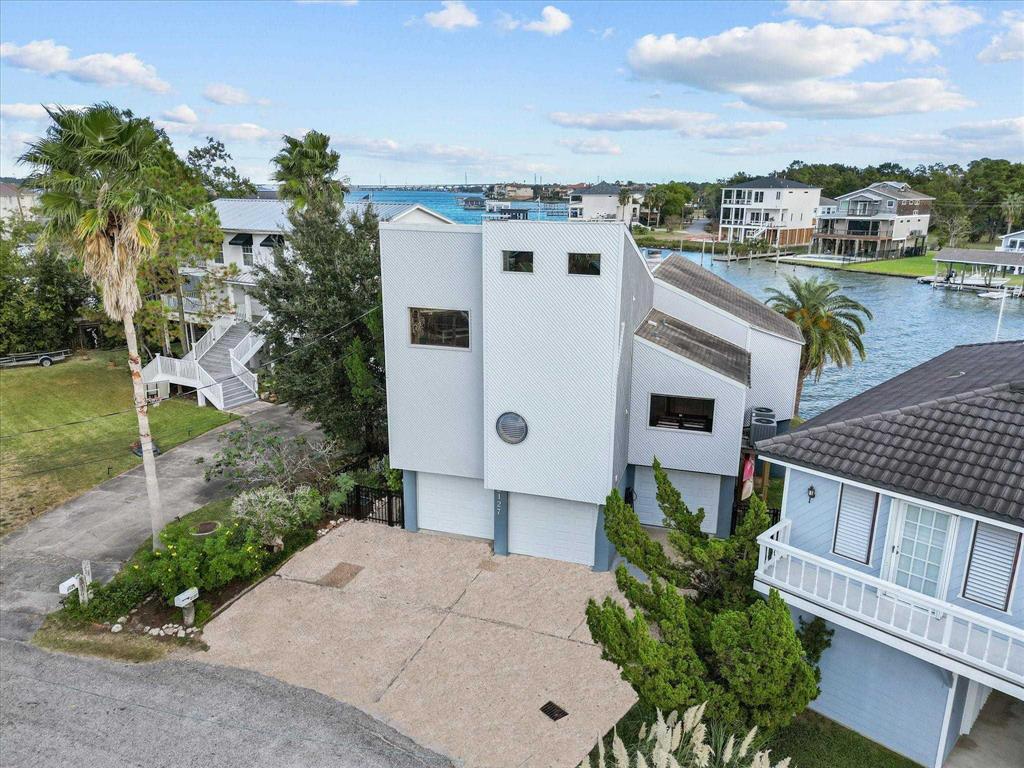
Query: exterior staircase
{"points": [[216, 366]]}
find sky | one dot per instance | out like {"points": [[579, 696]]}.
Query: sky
{"points": [[443, 92]]}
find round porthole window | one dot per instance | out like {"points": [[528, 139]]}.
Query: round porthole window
{"points": [[511, 427]]}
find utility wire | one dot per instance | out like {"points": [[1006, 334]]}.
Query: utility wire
{"points": [[197, 389]]}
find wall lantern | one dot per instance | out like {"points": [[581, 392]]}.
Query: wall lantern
{"points": [[811, 493]]}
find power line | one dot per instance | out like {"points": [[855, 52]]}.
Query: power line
{"points": [[197, 389]]}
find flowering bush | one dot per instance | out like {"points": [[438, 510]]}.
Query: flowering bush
{"points": [[687, 743], [273, 513]]}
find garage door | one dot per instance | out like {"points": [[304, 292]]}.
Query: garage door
{"points": [[698, 490], [552, 528], [454, 505]]}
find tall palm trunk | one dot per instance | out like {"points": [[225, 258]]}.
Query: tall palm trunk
{"points": [[801, 377], [142, 412]]}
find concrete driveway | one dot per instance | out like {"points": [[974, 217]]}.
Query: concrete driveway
{"points": [[452, 646]]}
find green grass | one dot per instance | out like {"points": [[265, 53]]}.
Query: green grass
{"points": [[79, 456], [58, 633], [811, 741], [912, 266]]}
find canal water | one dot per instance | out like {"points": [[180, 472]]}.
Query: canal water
{"points": [[912, 322]]}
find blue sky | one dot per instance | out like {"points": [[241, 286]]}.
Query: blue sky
{"points": [[571, 91]]}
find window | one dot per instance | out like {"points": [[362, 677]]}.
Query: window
{"points": [[695, 414], [855, 523], [439, 327], [247, 255], [517, 261], [759, 197], [584, 263], [992, 565], [219, 258], [890, 203], [778, 195]]}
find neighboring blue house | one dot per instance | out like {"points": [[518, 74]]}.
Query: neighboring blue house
{"points": [[901, 527]]}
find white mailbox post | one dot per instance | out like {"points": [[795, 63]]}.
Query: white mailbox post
{"points": [[186, 601], [68, 586]]}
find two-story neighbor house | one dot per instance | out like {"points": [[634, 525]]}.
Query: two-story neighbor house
{"points": [[1012, 241], [532, 366], [901, 527], [776, 210], [600, 202], [887, 219], [221, 314]]}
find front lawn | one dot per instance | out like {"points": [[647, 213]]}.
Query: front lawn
{"points": [[811, 741], [42, 469], [912, 266]]}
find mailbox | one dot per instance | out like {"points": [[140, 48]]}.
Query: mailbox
{"points": [[69, 586], [187, 597]]}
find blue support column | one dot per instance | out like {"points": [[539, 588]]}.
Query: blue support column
{"points": [[409, 499], [501, 522], [726, 497], [604, 550]]}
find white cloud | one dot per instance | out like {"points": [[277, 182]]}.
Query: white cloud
{"points": [[454, 14], [227, 131], [441, 154], [602, 34], [48, 58], [847, 99], [327, 2], [770, 53], [922, 17], [630, 120], [732, 130], [182, 113], [552, 21], [31, 112], [1007, 45], [595, 145], [222, 93], [921, 50], [1006, 129]]}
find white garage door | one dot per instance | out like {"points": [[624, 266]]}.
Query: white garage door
{"points": [[454, 505], [553, 528], [698, 490]]}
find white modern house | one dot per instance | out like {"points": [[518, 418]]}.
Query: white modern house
{"points": [[221, 314], [600, 202], [17, 201], [887, 219], [774, 209], [533, 366], [901, 527], [1012, 241]]}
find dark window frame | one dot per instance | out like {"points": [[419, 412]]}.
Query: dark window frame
{"points": [[588, 264], [709, 420], [871, 535], [506, 255], [434, 344]]}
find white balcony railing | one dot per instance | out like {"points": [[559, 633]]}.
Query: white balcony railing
{"points": [[166, 368], [219, 327], [957, 633]]}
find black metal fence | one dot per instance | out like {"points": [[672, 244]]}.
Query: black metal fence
{"points": [[740, 510], [376, 504]]}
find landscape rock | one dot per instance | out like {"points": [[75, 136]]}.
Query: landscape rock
{"points": [[181, 633], [116, 628], [156, 631], [122, 620]]}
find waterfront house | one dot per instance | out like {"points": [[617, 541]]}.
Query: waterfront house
{"points": [[219, 309], [772, 209], [534, 365], [1012, 241], [887, 219], [17, 201], [901, 527], [600, 202]]}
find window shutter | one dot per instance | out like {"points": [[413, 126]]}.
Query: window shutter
{"points": [[991, 567], [855, 523]]}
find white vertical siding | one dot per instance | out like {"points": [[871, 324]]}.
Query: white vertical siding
{"points": [[656, 371], [774, 368], [435, 396], [635, 302], [551, 345]]}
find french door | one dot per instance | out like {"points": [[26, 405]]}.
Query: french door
{"points": [[920, 555]]}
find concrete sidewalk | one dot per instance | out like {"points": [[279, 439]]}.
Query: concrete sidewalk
{"points": [[106, 524]]}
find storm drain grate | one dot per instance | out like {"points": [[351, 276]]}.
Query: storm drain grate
{"points": [[553, 711]]}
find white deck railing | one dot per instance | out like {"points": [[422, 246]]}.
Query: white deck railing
{"points": [[201, 347], [242, 353], [971, 638], [182, 371], [210, 388]]}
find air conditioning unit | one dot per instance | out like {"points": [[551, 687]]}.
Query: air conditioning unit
{"points": [[761, 428], [759, 411]]}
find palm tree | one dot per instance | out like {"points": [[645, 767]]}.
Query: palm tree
{"points": [[830, 322], [306, 168], [89, 167], [1012, 207]]}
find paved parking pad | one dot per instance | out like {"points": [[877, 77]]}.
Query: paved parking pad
{"points": [[432, 634]]}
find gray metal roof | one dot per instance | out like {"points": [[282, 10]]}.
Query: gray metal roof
{"points": [[950, 431], [705, 285], [268, 216], [975, 256], [827, 201], [770, 182], [897, 190], [602, 188], [697, 345]]}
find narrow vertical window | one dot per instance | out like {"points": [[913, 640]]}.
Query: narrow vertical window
{"points": [[855, 523], [992, 565]]}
